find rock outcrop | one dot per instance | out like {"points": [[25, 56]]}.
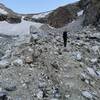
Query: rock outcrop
{"points": [[13, 19], [8, 15], [56, 18], [3, 17], [91, 12], [63, 15]]}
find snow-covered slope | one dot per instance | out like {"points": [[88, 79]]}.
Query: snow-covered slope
{"points": [[41, 15], [5, 10], [17, 29]]}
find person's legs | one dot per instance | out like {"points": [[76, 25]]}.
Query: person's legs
{"points": [[65, 41], [65, 38]]}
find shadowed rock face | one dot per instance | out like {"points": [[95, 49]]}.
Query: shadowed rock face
{"points": [[3, 17], [13, 19], [10, 18], [63, 15], [91, 12], [60, 17]]}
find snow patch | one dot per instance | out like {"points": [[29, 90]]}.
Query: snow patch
{"points": [[18, 62], [80, 13], [4, 63], [2, 11], [42, 15], [17, 29]]}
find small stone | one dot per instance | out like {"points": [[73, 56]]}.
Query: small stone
{"points": [[87, 94], [40, 95], [95, 48], [94, 60], [29, 59], [4, 64], [30, 49], [3, 96], [98, 73], [79, 57], [0, 89], [67, 96], [24, 85], [35, 36], [9, 85], [55, 65], [54, 99], [56, 93], [13, 88], [18, 62]]}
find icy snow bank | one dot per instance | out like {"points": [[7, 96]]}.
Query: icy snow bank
{"points": [[17, 29]]}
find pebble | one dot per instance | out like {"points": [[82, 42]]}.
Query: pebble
{"points": [[18, 62], [29, 59], [87, 94], [9, 85], [54, 99], [11, 88], [94, 60], [55, 65], [4, 64], [3, 96], [91, 72], [79, 57], [40, 95], [95, 48]]}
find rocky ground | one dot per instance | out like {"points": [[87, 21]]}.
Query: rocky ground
{"points": [[43, 70]]}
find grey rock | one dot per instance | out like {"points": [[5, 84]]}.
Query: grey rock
{"points": [[3, 96], [4, 64], [40, 95], [87, 95], [18, 62], [11, 88], [9, 85]]}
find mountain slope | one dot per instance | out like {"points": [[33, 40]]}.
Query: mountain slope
{"points": [[91, 12], [8, 15], [56, 18]]}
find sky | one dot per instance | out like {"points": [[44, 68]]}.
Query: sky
{"points": [[34, 6]]}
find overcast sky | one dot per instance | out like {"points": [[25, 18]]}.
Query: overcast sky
{"points": [[34, 6]]}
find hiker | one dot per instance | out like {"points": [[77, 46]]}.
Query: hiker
{"points": [[65, 38]]}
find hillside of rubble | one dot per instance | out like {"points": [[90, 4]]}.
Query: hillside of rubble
{"points": [[34, 65]]}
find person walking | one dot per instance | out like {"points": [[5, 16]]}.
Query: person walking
{"points": [[65, 37]]}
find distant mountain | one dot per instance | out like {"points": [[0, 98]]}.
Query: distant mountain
{"points": [[88, 9], [56, 18], [9, 15], [5, 10]]}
